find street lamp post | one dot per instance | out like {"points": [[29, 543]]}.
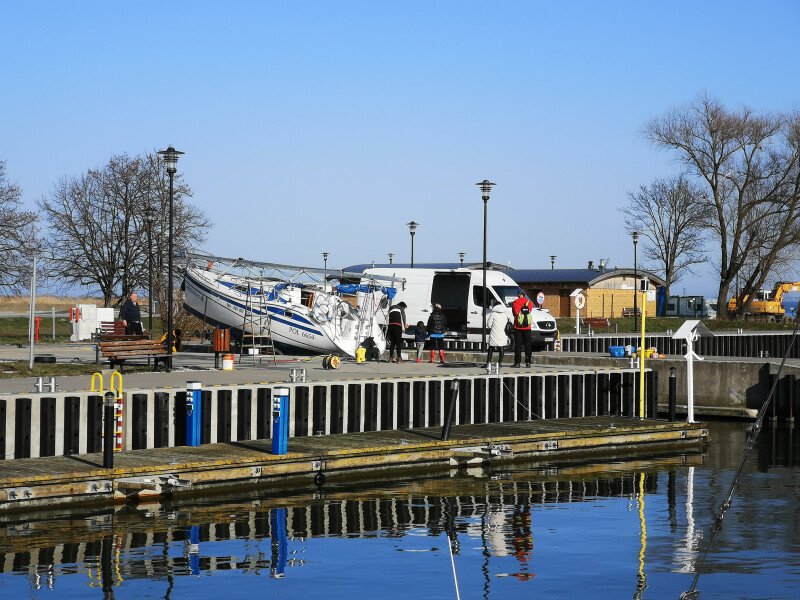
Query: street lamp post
{"points": [[486, 188], [170, 157], [635, 236], [325, 256], [412, 228], [149, 216], [553, 258], [391, 256], [461, 257]]}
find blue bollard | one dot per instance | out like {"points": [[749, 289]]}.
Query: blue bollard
{"points": [[280, 421], [194, 550], [280, 543], [193, 413]]}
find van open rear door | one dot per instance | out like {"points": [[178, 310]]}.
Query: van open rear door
{"points": [[451, 290]]}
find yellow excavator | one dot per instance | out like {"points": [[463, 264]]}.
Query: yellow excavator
{"points": [[766, 305]]}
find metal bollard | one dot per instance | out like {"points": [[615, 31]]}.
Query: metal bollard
{"points": [[673, 393], [451, 410], [109, 424], [297, 375]]}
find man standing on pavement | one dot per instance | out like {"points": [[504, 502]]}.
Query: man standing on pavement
{"points": [[521, 309], [131, 315]]}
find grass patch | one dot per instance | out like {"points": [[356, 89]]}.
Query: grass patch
{"points": [[14, 330], [18, 368]]}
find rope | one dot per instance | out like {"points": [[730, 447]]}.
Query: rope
{"points": [[525, 408], [692, 593]]}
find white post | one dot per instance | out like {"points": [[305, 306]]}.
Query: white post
{"points": [[578, 321], [690, 356], [32, 314], [53, 319]]}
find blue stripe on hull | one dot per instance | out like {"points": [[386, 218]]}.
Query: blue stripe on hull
{"points": [[271, 309]]}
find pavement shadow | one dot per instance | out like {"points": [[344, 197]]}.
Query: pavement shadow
{"points": [[424, 434], [252, 445], [84, 461]]}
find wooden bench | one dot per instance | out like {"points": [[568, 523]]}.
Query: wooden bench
{"points": [[629, 312], [117, 352], [595, 323]]}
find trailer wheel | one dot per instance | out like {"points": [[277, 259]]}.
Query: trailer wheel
{"points": [[771, 319]]}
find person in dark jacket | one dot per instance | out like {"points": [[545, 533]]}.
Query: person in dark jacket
{"points": [[131, 315], [420, 335], [437, 327], [397, 325]]}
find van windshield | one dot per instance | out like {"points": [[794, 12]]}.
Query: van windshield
{"points": [[506, 293]]}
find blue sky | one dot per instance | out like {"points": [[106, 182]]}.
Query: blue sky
{"points": [[327, 126]]}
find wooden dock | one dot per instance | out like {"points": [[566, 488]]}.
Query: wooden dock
{"points": [[59, 481]]}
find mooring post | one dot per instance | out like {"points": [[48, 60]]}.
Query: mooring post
{"points": [[451, 410], [109, 425], [673, 393]]}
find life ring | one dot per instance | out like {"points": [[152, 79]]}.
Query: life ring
{"points": [[321, 311]]}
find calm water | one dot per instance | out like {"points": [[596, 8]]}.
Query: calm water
{"points": [[632, 529]]}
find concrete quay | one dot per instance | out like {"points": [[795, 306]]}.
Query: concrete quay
{"points": [[70, 481]]}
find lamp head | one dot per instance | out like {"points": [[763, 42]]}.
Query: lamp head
{"points": [[412, 226], [486, 188], [170, 157]]}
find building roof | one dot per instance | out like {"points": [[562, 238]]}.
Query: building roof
{"points": [[584, 277]]}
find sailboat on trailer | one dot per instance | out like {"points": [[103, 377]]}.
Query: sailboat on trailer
{"points": [[304, 310]]}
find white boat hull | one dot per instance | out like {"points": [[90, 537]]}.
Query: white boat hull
{"points": [[294, 328]]}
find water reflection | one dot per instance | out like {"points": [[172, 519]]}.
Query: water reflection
{"points": [[505, 528]]}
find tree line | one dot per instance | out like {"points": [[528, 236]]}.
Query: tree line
{"points": [[93, 229], [735, 204]]}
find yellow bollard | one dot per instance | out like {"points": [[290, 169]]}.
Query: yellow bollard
{"points": [[91, 387]]}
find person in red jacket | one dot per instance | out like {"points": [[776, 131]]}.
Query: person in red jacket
{"points": [[521, 309]]}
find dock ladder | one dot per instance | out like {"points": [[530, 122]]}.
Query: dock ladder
{"points": [[257, 328]]}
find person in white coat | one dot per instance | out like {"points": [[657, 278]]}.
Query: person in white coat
{"points": [[496, 321]]}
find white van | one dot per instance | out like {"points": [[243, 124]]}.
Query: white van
{"points": [[460, 292]]}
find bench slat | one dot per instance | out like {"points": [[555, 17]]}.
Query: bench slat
{"points": [[131, 344]]}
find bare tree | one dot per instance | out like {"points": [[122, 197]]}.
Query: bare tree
{"points": [[749, 164], [19, 237], [98, 228], [671, 214]]}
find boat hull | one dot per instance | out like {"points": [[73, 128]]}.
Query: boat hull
{"points": [[293, 328]]}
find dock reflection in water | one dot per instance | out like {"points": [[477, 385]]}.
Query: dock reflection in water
{"points": [[624, 529]]}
